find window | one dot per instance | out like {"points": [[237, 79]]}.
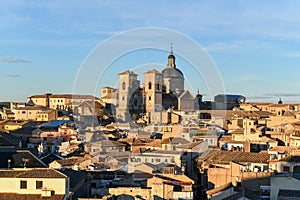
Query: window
{"points": [[93, 185], [23, 112], [23, 184], [123, 98], [39, 185], [286, 168], [123, 85], [157, 86], [149, 98], [149, 85]]}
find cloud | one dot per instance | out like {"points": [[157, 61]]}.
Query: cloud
{"points": [[282, 94], [12, 59], [246, 78], [238, 45], [258, 97], [10, 75], [293, 54]]}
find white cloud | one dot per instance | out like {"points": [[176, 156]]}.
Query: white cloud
{"points": [[282, 94], [245, 78], [10, 75], [12, 59]]}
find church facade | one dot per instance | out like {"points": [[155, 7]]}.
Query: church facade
{"points": [[160, 91]]}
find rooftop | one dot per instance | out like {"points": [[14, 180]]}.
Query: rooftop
{"points": [[13, 196], [32, 173], [19, 159], [217, 156]]}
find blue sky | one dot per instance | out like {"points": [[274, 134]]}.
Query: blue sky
{"points": [[254, 44]]}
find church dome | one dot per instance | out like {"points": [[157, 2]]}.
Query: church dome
{"points": [[172, 73]]}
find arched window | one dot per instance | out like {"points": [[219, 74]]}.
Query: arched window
{"points": [[123, 85], [149, 85], [157, 86]]}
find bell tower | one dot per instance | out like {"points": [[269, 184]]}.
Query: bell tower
{"points": [[153, 90], [128, 83], [171, 59]]}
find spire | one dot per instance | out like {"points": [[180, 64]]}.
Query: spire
{"points": [[171, 59]]}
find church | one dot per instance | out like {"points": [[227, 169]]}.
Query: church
{"points": [[160, 91]]}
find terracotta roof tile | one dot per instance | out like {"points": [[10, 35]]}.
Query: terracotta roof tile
{"points": [[32, 173]]}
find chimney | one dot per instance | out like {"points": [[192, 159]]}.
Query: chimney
{"points": [[25, 160], [8, 163]]}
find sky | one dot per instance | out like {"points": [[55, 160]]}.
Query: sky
{"points": [[254, 45]]}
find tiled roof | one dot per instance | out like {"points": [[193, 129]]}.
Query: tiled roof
{"points": [[32, 173], [153, 71], [68, 96], [106, 174], [7, 139], [239, 157], [5, 142], [72, 161], [282, 149], [33, 108], [73, 96], [237, 131], [177, 140], [19, 158], [263, 113], [128, 72], [14, 196], [23, 131], [50, 158], [41, 173], [259, 103], [111, 143], [67, 162], [38, 96], [194, 144], [101, 165], [278, 105], [155, 143]]}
